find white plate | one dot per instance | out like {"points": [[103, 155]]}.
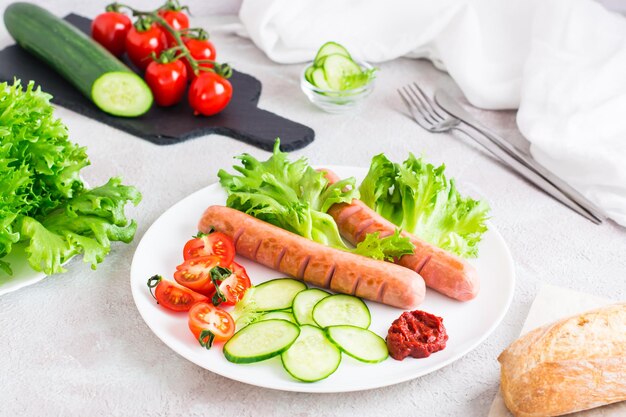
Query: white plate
{"points": [[468, 324], [23, 274]]}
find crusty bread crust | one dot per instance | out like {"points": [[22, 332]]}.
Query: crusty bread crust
{"points": [[571, 365]]}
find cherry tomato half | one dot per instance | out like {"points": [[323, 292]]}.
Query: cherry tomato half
{"points": [[168, 81], [177, 20], [141, 44], [235, 286], [216, 243], [199, 49], [209, 93], [173, 296], [195, 274], [109, 29], [210, 324]]}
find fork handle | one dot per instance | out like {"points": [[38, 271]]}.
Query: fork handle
{"points": [[547, 175], [527, 172]]}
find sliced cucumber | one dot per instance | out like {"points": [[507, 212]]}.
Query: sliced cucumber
{"points": [[308, 72], [303, 305], [359, 343], [331, 48], [337, 68], [340, 309], [318, 79], [277, 294], [281, 315], [312, 356], [261, 340], [121, 94]]}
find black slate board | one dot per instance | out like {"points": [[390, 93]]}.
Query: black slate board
{"points": [[241, 120]]}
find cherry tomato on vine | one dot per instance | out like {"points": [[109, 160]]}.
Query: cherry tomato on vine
{"points": [[216, 243], [173, 296], [209, 93], [168, 81], [235, 286], [177, 20], [141, 44], [199, 49], [109, 29], [210, 324]]}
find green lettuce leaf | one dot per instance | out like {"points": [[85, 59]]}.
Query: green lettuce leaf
{"points": [[417, 197], [290, 195], [43, 200], [86, 224], [386, 249]]}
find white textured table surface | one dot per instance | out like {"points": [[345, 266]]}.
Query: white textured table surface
{"points": [[74, 344]]}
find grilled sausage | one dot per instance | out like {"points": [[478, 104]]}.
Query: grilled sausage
{"points": [[442, 271], [315, 263]]}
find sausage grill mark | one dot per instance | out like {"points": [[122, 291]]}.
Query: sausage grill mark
{"points": [[381, 291], [256, 249], [237, 235], [280, 258], [302, 267], [362, 228], [421, 266], [329, 276]]}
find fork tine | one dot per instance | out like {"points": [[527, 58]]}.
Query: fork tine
{"points": [[418, 105], [417, 115], [433, 107]]}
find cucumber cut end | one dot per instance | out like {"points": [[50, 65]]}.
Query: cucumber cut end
{"points": [[122, 94]]}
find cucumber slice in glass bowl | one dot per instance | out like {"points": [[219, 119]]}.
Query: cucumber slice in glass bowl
{"points": [[334, 81]]}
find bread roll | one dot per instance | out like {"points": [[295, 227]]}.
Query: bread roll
{"points": [[574, 364]]}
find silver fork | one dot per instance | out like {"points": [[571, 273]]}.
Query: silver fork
{"points": [[430, 116]]}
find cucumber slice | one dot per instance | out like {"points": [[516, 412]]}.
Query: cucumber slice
{"points": [[361, 344], [121, 94], [280, 315], [277, 294], [261, 340], [318, 79], [337, 68], [303, 305], [308, 72], [340, 309], [331, 48], [312, 356]]}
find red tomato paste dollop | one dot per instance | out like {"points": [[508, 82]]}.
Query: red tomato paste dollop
{"points": [[416, 333]]}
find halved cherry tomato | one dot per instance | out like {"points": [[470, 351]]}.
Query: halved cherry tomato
{"points": [[173, 296], [216, 243], [109, 29], [168, 81], [210, 324], [199, 49], [209, 93], [177, 20], [141, 44], [235, 286], [195, 274]]}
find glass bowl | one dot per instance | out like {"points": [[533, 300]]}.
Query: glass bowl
{"points": [[336, 101]]}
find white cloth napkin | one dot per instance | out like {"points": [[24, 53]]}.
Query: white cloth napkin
{"points": [[553, 303], [561, 62]]}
